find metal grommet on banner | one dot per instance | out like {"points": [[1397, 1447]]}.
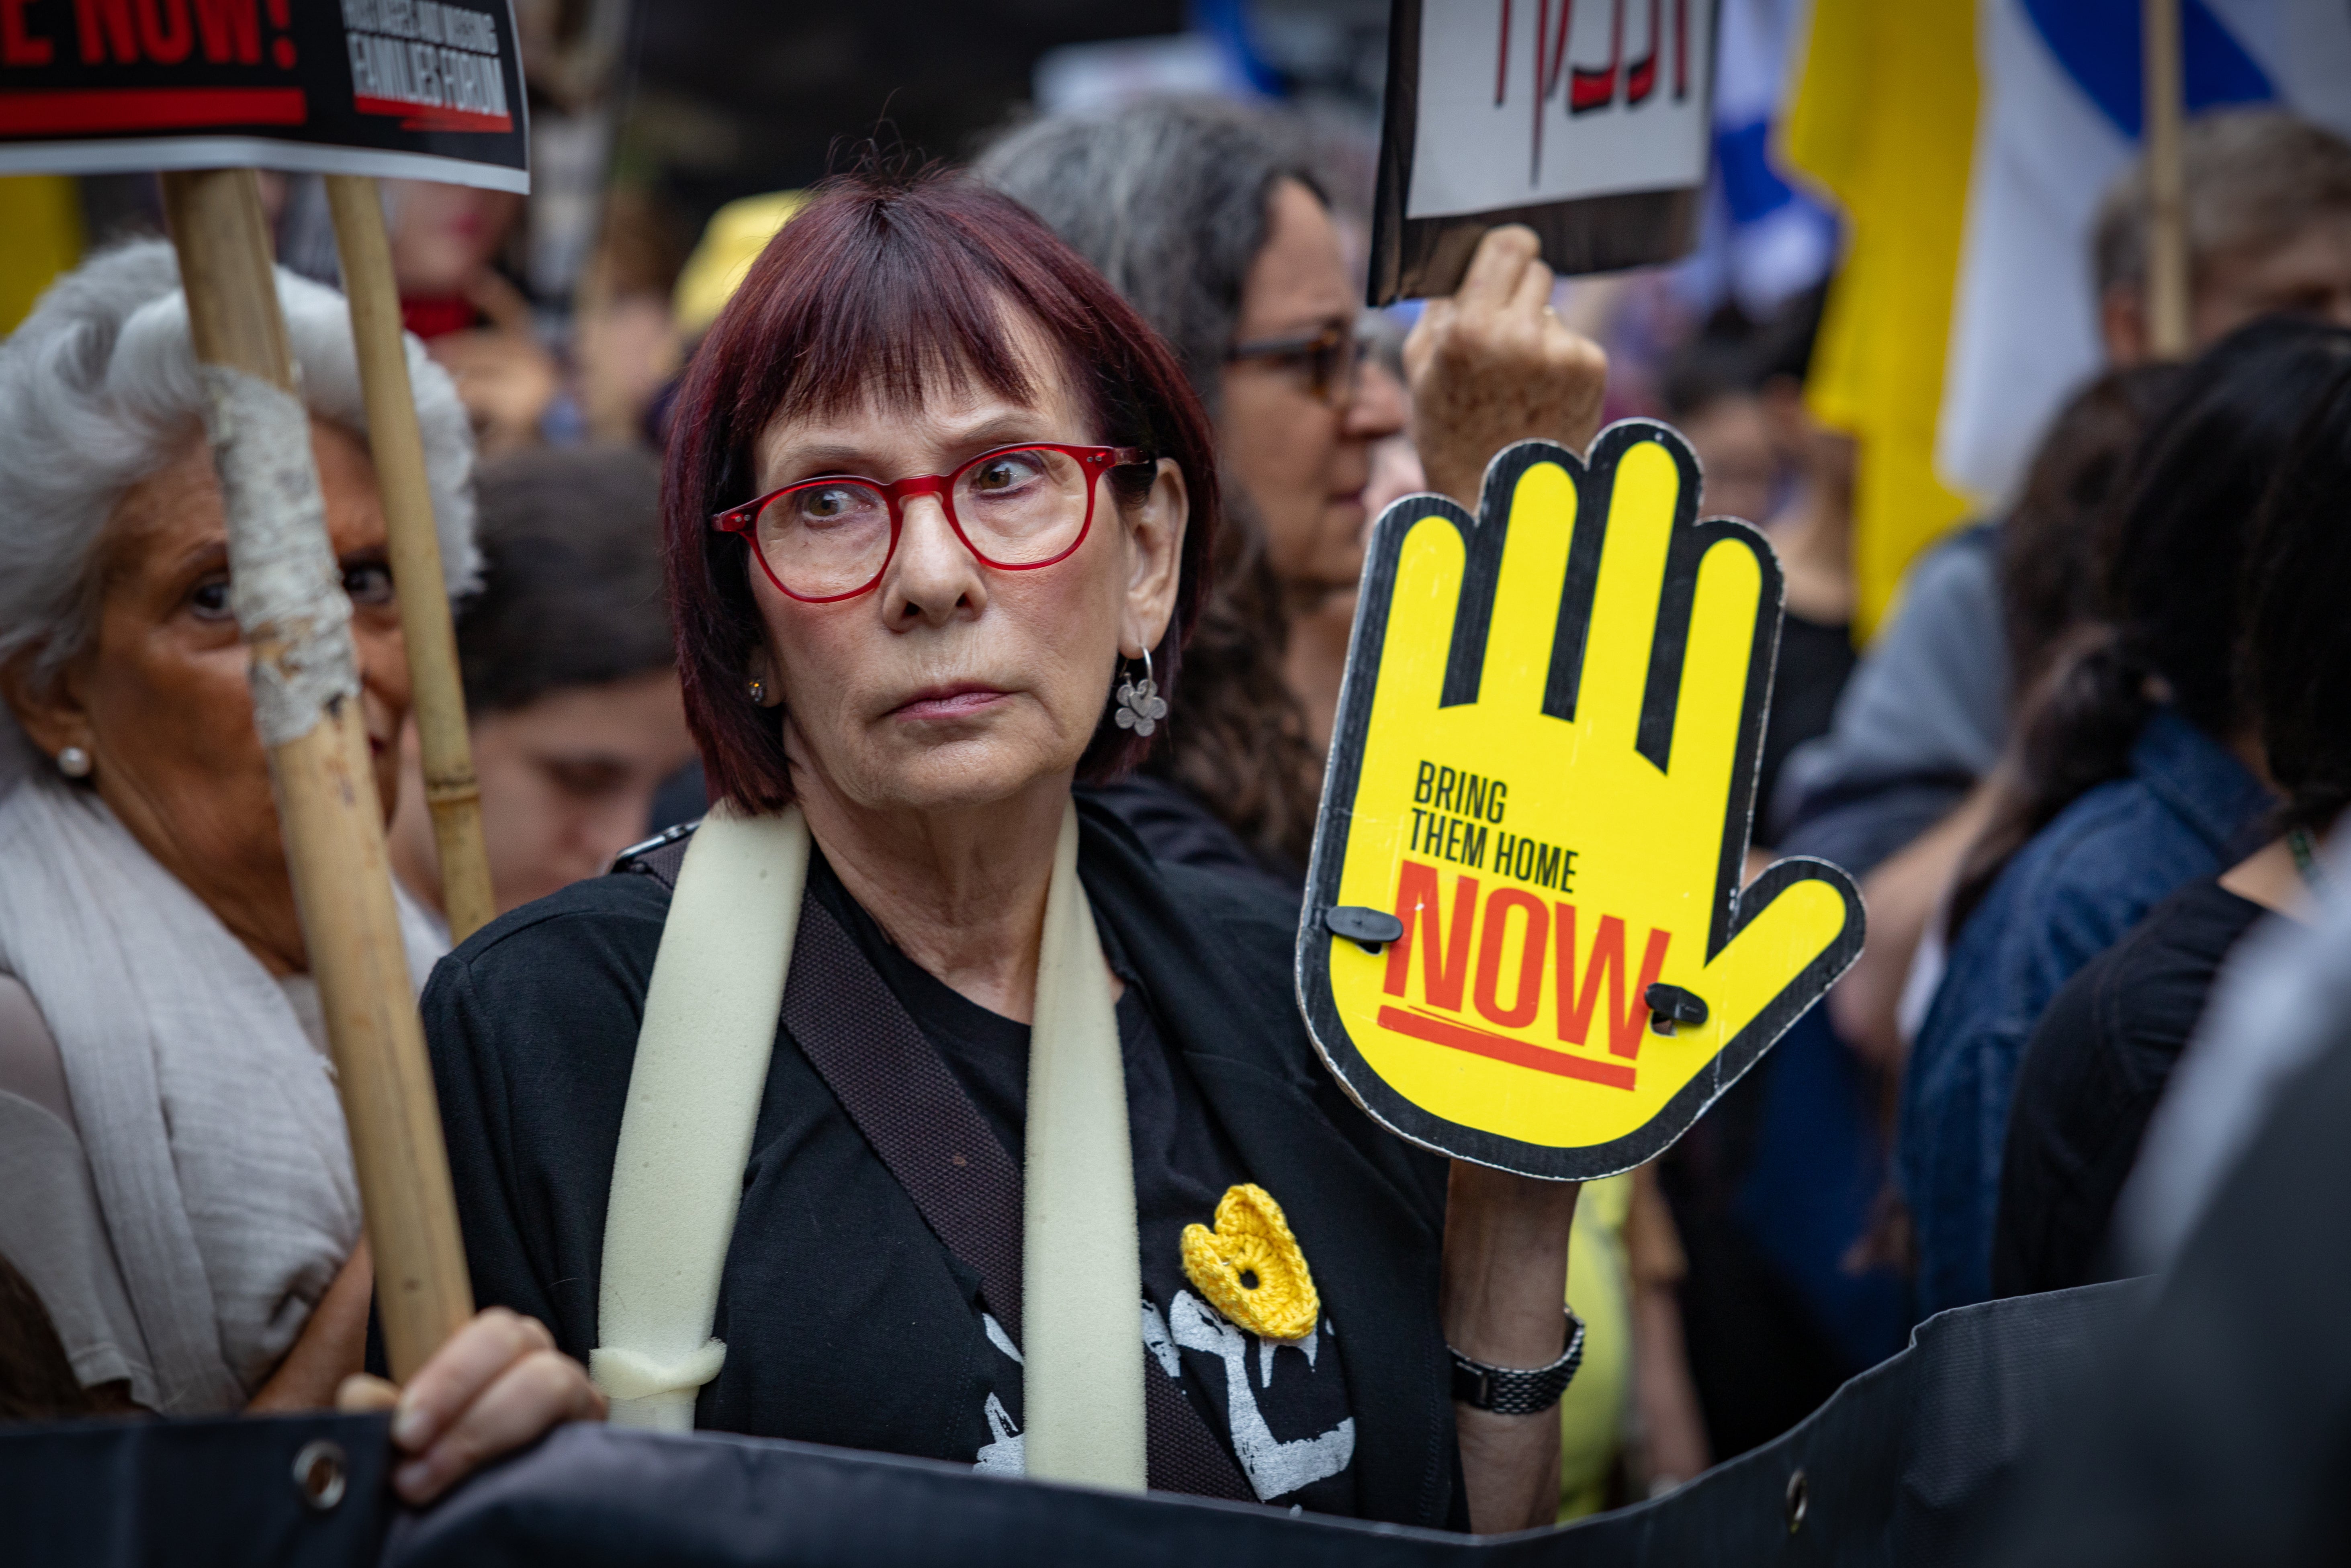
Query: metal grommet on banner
{"points": [[321, 1475], [1799, 1497]]}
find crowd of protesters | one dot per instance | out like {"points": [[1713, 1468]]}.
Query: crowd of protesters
{"points": [[2087, 770]]}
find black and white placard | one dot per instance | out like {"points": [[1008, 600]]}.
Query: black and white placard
{"points": [[423, 89], [1589, 121]]}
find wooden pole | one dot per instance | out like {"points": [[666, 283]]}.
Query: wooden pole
{"points": [[451, 791], [327, 804], [2168, 334]]}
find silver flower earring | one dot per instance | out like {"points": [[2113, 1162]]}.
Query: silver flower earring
{"points": [[1140, 705], [74, 762], [759, 690]]}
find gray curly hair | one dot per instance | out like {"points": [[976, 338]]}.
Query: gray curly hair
{"points": [[1168, 198], [98, 390]]}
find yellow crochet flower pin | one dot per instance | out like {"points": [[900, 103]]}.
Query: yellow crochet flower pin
{"points": [[1250, 1266]]}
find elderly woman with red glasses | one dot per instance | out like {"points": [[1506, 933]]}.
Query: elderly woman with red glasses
{"points": [[907, 1103]]}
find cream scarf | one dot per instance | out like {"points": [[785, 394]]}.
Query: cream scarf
{"points": [[701, 1066], [206, 1113]]}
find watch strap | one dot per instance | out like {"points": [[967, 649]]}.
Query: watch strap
{"points": [[1518, 1391]]}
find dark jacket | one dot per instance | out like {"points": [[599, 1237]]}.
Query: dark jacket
{"points": [[2187, 809], [2091, 1076], [864, 1331]]}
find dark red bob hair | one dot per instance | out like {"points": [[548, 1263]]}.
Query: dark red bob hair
{"points": [[878, 288]]}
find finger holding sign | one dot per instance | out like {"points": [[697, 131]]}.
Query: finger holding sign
{"points": [[1493, 365], [495, 1385], [1538, 814]]}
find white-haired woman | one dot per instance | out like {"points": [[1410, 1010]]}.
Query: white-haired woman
{"points": [[178, 1190]]}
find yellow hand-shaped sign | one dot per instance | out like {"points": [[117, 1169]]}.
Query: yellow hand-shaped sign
{"points": [[1536, 811]]}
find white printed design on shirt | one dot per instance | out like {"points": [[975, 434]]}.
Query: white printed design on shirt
{"points": [[1006, 1453], [1273, 1467], [1156, 1341], [1002, 1341]]}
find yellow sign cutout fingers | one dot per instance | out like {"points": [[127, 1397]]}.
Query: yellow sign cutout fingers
{"points": [[1524, 941]]}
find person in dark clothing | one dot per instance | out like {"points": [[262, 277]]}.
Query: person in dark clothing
{"points": [[1796, 1280], [2090, 1079], [1767, 1306], [2103, 1053], [1736, 393], [1222, 1088], [2213, 1432], [2133, 779], [800, 1131], [1812, 531]]}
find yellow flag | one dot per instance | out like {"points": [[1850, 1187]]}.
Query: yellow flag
{"points": [[41, 217], [1884, 117]]}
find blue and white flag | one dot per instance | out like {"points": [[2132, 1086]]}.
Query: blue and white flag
{"points": [[1778, 241], [2059, 121]]}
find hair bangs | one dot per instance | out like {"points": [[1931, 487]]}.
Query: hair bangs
{"points": [[898, 313]]}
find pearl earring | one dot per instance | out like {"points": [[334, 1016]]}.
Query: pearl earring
{"points": [[74, 762]]}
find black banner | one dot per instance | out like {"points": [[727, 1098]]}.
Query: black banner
{"points": [[1914, 1464], [424, 90]]}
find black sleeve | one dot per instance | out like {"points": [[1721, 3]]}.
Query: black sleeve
{"points": [[2214, 1429], [2091, 1077], [2038, 1240], [532, 1025]]}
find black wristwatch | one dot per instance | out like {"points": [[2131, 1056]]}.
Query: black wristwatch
{"points": [[1514, 1391]]}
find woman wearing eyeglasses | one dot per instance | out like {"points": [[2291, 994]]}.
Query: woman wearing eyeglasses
{"points": [[1039, 1173], [1210, 217]]}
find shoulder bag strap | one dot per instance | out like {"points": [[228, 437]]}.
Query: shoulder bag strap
{"points": [[695, 1090], [909, 1105], [920, 1121]]}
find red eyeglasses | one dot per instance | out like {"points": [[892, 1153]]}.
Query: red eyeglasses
{"points": [[1016, 508]]}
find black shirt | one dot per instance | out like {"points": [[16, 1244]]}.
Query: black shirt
{"points": [[2091, 1077], [2212, 1430], [1285, 1416], [846, 1320]]}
